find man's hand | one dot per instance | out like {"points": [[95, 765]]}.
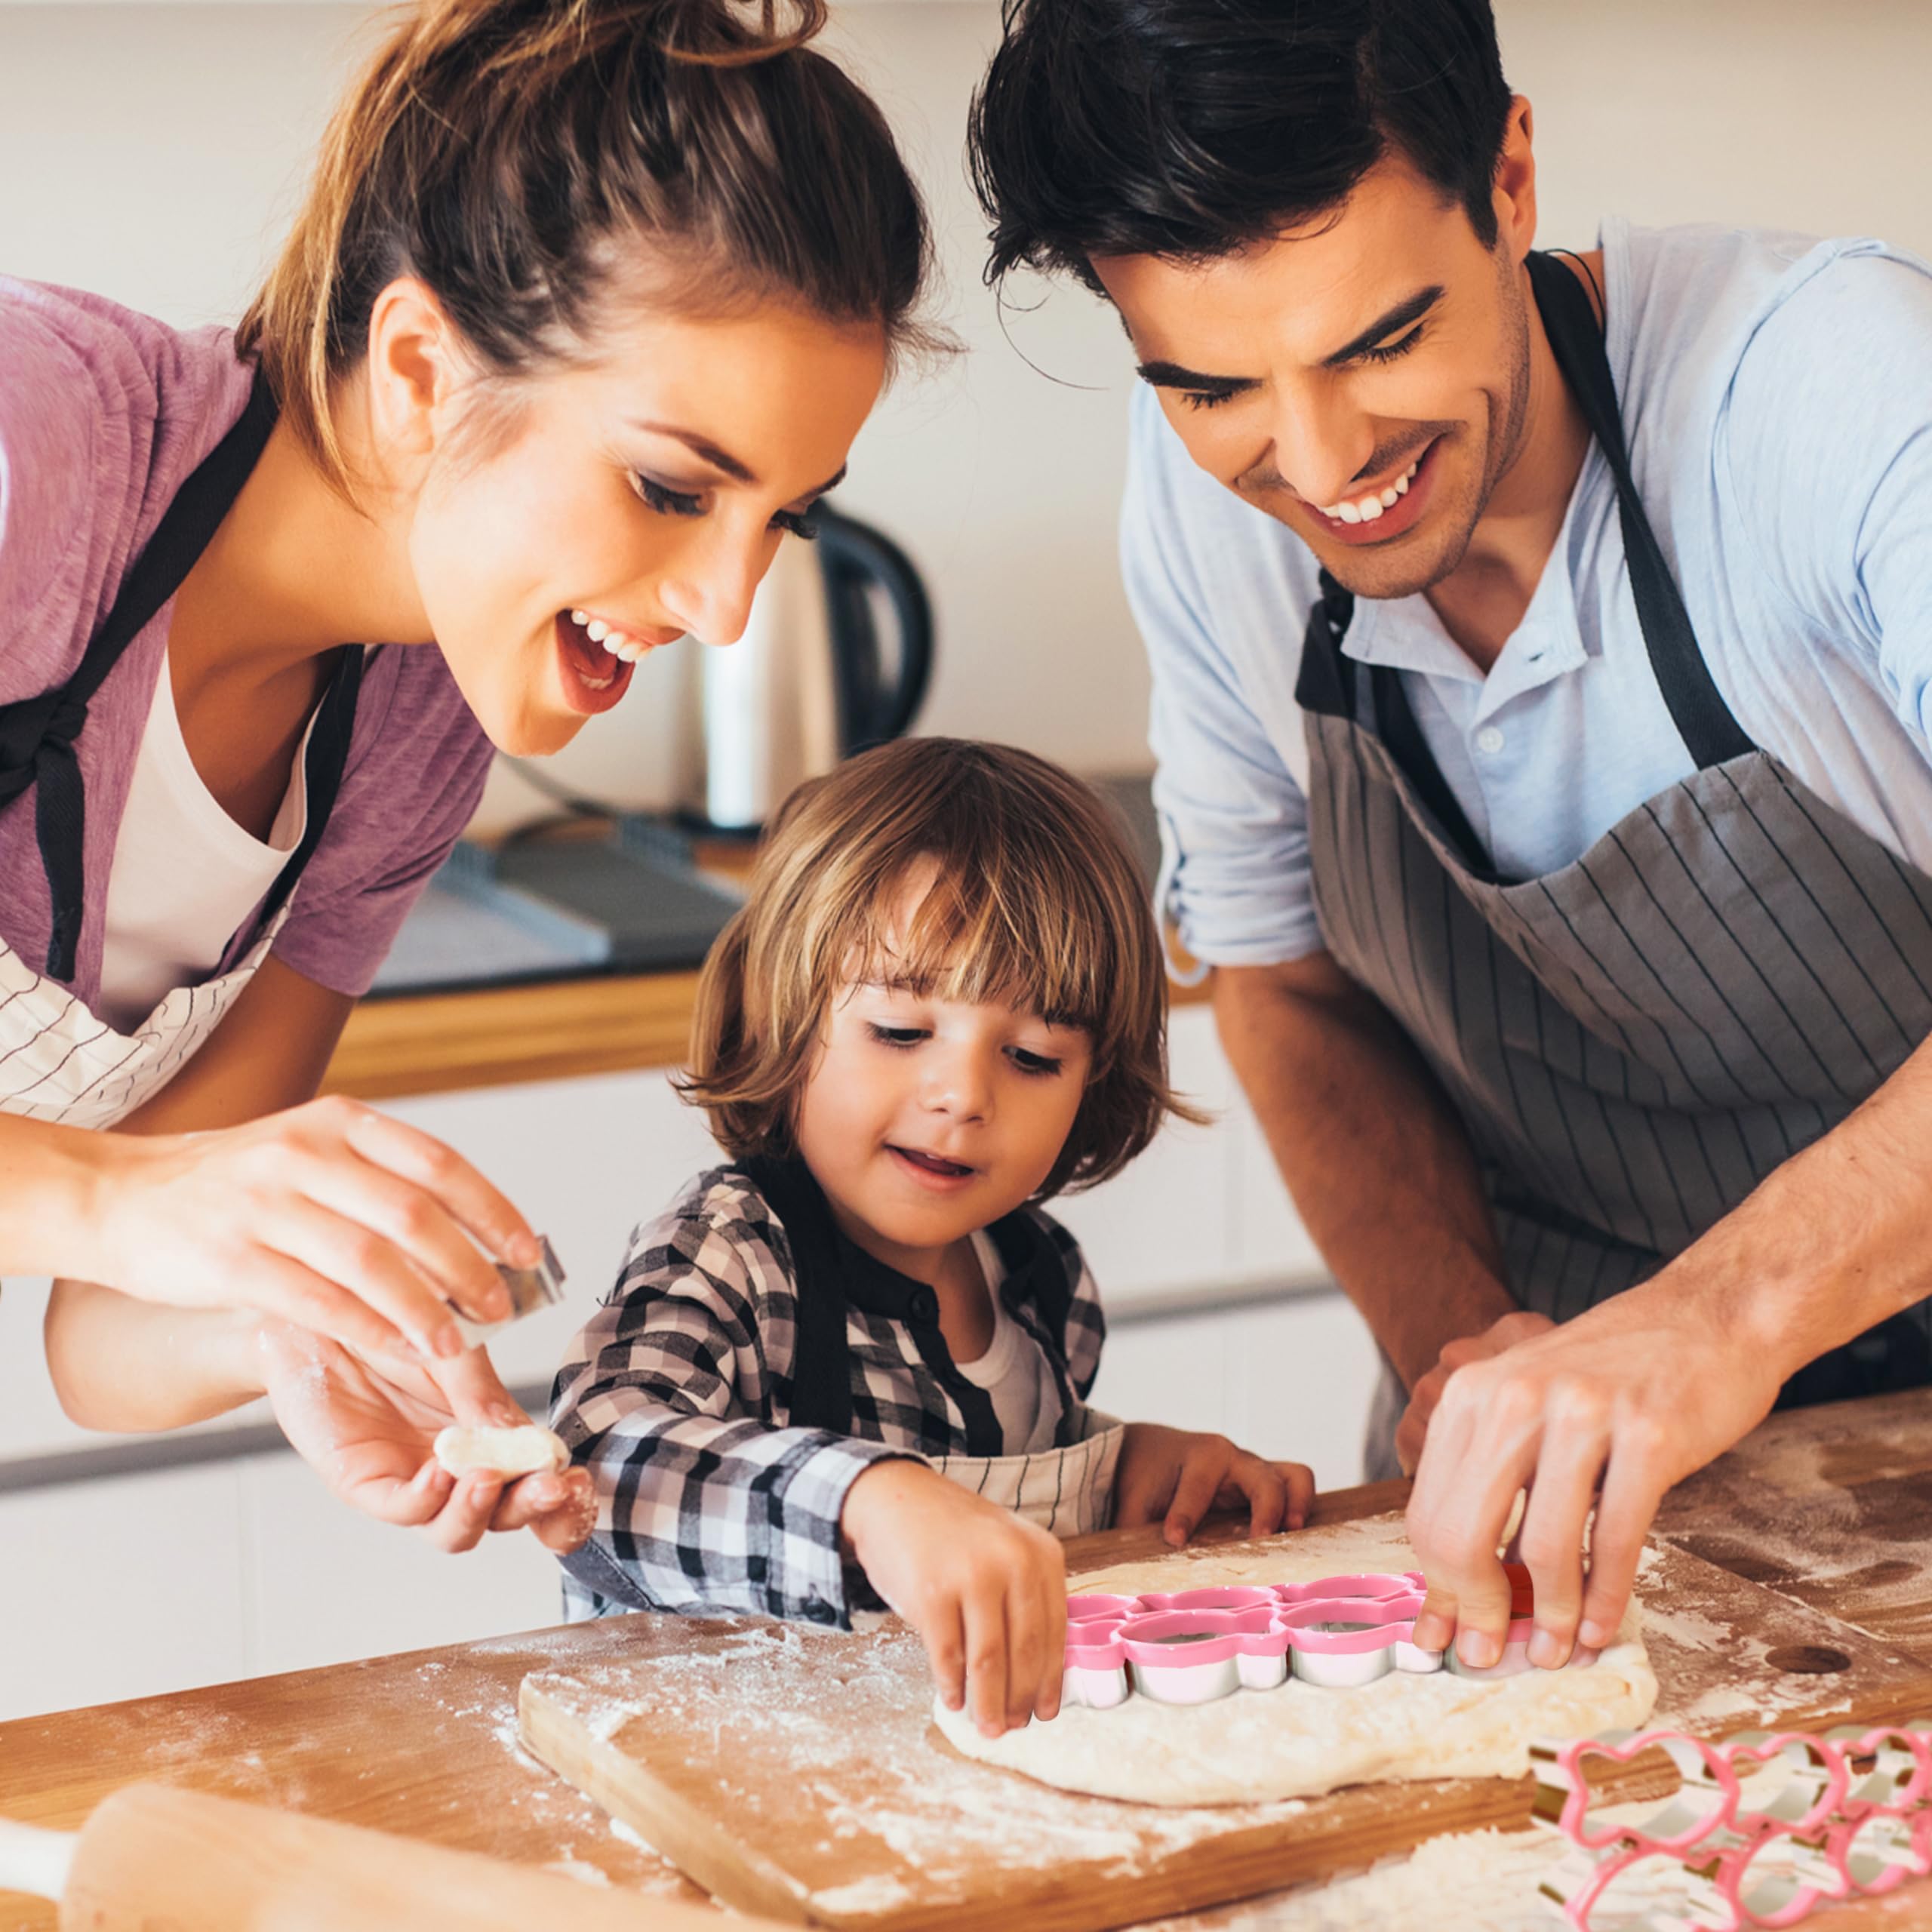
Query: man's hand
{"points": [[1174, 1477], [1427, 1393], [367, 1428], [985, 1588], [1633, 1396]]}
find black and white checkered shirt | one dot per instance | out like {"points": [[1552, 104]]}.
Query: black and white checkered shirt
{"points": [[677, 1396]]}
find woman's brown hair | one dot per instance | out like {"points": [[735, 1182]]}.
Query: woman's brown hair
{"points": [[509, 152], [1036, 902]]}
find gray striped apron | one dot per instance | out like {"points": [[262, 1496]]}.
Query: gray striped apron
{"points": [[1634, 1041]]}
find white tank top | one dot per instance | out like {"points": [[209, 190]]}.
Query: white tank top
{"points": [[1013, 1371], [185, 875]]}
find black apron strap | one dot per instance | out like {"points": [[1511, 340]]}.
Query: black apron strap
{"points": [[322, 767], [37, 734], [821, 1364], [1704, 722], [1327, 685]]}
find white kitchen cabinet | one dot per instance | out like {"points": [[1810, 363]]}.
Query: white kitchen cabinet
{"points": [[325, 1585], [123, 1587], [1289, 1379]]}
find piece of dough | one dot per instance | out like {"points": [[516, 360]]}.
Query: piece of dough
{"points": [[1299, 1740], [502, 1452]]}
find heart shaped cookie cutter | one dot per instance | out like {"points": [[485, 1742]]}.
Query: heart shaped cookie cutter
{"points": [[1192, 1646]]}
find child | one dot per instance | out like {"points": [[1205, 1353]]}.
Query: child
{"points": [[851, 1365]]}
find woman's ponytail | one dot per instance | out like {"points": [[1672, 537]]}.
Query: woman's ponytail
{"points": [[506, 152]]}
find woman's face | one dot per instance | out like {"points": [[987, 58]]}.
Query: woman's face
{"points": [[629, 502]]}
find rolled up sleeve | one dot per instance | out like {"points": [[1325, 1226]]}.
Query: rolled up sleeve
{"points": [[1234, 876]]}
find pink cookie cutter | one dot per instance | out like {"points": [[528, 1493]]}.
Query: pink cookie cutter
{"points": [[1851, 1814], [1191, 1646]]}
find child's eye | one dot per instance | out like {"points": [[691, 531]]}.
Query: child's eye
{"points": [[666, 503], [1207, 398], [794, 523], [1040, 1064], [896, 1036]]}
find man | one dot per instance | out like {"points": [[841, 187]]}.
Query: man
{"points": [[1541, 654]]}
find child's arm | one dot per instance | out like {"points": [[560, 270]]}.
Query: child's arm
{"points": [[702, 1505], [985, 1588]]}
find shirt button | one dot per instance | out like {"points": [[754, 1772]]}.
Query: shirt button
{"points": [[1489, 740], [925, 1306]]}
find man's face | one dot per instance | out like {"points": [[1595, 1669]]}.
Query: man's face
{"points": [[1364, 380]]}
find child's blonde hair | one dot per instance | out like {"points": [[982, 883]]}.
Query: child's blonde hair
{"points": [[1036, 903]]}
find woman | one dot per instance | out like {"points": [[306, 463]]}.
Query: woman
{"points": [[588, 301]]}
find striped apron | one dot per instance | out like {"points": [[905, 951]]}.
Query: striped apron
{"points": [[1635, 1041], [59, 1061], [1067, 1490]]}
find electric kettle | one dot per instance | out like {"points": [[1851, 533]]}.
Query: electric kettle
{"points": [[809, 684]]}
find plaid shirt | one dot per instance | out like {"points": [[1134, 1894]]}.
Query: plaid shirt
{"points": [[676, 1396]]}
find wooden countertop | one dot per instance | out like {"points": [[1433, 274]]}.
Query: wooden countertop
{"points": [[1833, 1507]]}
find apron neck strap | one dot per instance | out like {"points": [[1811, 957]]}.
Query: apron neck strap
{"points": [[1710, 734], [821, 1368]]}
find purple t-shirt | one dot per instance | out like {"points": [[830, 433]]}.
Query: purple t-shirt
{"points": [[103, 414]]}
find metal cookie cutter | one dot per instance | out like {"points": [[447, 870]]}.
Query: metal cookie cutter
{"points": [[530, 1289]]}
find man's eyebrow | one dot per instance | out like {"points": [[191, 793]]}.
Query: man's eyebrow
{"points": [[1412, 309], [1173, 376], [1177, 376], [719, 459]]}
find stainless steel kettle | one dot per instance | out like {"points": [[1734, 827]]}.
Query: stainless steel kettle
{"points": [[809, 684]]}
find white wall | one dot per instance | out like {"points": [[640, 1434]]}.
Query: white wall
{"points": [[151, 151]]}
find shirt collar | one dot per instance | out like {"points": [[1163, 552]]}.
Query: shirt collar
{"points": [[1405, 634]]}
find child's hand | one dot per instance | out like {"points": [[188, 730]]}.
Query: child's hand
{"points": [[985, 1588], [1173, 1474]]}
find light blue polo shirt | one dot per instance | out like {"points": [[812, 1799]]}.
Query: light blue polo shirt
{"points": [[1776, 396]]}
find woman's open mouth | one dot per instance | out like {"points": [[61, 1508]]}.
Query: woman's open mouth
{"points": [[594, 676], [932, 1170]]}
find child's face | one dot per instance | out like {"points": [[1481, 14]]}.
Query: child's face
{"points": [[924, 1119]]}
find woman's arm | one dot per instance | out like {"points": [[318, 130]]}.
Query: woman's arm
{"points": [[123, 1364], [366, 1426], [224, 1191]]}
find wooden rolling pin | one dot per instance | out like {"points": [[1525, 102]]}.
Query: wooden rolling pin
{"points": [[154, 1856]]}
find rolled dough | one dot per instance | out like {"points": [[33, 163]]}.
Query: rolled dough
{"points": [[1300, 1740], [503, 1452]]}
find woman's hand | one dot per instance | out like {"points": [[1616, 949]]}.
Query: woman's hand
{"points": [[1423, 1397], [1631, 1397], [985, 1588], [1173, 1477], [329, 1216], [367, 1428]]}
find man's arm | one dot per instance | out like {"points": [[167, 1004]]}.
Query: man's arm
{"points": [[1636, 1394], [1378, 1166]]}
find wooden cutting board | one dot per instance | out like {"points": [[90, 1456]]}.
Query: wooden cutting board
{"points": [[795, 1773]]}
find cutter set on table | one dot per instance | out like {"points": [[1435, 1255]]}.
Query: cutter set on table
{"points": [[1199, 1645], [1851, 1815]]}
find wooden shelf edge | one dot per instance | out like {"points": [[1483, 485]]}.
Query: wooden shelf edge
{"points": [[500, 1036]]}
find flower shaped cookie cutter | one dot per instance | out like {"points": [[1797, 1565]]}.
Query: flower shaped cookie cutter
{"points": [[1846, 1813], [1192, 1646]]}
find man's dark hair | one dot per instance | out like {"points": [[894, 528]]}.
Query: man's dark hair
{"points": [[1189, 128]]}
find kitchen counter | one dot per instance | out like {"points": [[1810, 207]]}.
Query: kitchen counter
{"points": [[1832, 1506]]}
